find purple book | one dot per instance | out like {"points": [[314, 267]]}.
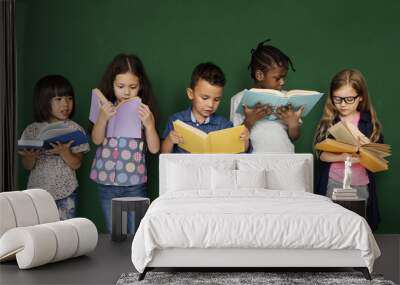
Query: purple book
{"points": [[125, 123]]}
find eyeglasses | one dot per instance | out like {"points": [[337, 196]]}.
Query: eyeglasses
{"points": [[347, 100]]}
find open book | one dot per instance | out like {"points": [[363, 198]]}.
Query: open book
{"points": [[348, 139], [277, 98], [54, 132], [125, 123], [222, 141]]}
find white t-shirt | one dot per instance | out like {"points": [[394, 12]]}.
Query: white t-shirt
{"points": [[266, 135]]}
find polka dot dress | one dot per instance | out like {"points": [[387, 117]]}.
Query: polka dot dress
{"points": [[119, 161]]}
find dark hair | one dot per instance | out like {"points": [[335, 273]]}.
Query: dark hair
{"points": [[209, 72], [47, 88], [123, 63], [265, 57]]}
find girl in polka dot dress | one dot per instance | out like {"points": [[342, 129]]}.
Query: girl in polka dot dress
{"points": [[119, 166]]}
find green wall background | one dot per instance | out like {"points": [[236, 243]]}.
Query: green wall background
{"points": [[78, 39]]}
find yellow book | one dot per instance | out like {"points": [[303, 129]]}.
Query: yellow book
{"points": [[348, 139], [222, 141]]}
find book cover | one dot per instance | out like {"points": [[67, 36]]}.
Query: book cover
{"points": [[56, 132], [125, 123], [277, 98], [222, 141], [348, 139]]}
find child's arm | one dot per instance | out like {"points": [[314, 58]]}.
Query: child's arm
{"points": [[107, 110], [170, 137], [29, 158], [152, 139], [168, 143], [292, 119], [337, 157], [245, 136], [258, 112], [73, 160]]}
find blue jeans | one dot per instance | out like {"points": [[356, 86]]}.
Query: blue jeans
{"points": [[67, 206], [108, 192]]}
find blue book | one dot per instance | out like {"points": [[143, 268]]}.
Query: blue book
{"points": [[56, 132], [276, 98]]}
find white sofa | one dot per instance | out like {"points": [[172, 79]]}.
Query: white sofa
{"points": [[31, 231]]}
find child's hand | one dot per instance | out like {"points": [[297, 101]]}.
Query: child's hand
{"points": [[363, 140], [29, 153], [288, 115], [100, 95], [60, 148], [354, 158], [245, 135], [107, 110], [175, 137], [146, 116], [29, 157], [256, 113]]}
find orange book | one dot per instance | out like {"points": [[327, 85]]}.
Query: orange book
{"points": [[348, 139]]}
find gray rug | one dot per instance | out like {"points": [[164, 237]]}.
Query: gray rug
{"points": [[243, 278]]}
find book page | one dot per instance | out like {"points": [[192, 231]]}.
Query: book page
{"points": [[54, 130], [372, 162], [343, 134], [251, 98], [331, 145], [376, 151], [194, 140], [94, 108], [300, 92], [97, 100], [379, 149], [307, 101], [227, 140], [360, 137], [126, 122], [279, 98], [29, 144], [55, 133], [269, 91]]}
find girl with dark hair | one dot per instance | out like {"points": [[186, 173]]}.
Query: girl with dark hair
{"points": [[268, 68], [119, 166], [54, 169]]}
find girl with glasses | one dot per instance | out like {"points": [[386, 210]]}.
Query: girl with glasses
{"points": [[348, 101]]}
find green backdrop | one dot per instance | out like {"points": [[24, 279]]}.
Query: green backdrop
{"points": [[78, 38]]}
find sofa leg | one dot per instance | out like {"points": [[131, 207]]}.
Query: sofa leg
{"points": [[143, 274], [364, 271]]}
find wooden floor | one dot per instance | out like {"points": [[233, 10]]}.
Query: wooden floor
{"points": [[111, 259]]}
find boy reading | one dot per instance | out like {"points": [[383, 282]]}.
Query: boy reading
{"points": [[205, 92]]}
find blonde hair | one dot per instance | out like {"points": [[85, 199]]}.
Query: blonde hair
{"points": [[355, 79]]}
